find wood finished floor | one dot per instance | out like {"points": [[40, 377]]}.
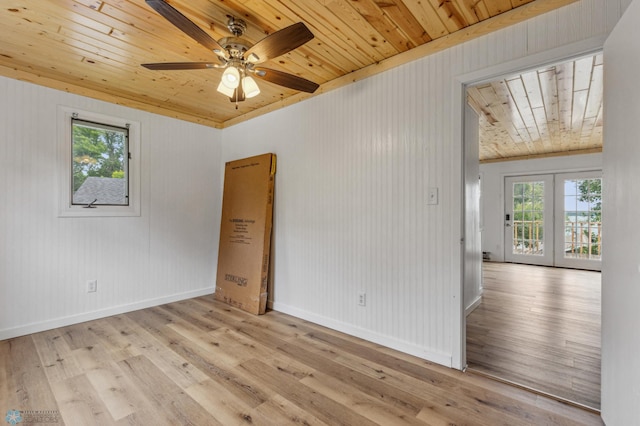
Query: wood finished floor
{"points": [[199, 362], [539, 327]]}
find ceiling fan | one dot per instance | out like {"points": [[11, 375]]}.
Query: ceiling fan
{"points": [[237, 56]]}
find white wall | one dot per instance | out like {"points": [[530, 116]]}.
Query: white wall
{"points": [[493, 175], [168, 253], [472, 232], [621, 204], [354, 165]]}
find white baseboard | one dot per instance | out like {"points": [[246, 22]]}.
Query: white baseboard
{"points": [[102, 313], [390, 342], [473, 305], [371, 336]]}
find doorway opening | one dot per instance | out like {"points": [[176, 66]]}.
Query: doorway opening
{"points": [[536, 322]]}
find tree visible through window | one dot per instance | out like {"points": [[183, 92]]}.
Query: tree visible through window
{"points": [[100, 157], [583, 218]]}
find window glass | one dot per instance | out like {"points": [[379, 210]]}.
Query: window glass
{"points": [[100, 164]]}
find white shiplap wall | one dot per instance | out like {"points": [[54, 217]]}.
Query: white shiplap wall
{"points": [[167, 253], [621, 239], [353, 168], [472, 293]]}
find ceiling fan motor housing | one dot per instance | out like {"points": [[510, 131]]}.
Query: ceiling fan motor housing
{"points": [[236, 46]]}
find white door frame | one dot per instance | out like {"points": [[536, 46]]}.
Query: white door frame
{"points": [[460, 83]]}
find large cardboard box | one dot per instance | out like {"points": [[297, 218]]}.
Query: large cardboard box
{"points": [[245, 233]]}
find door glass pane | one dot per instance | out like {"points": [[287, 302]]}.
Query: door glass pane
{"points": [[528, 218], [518, 238], [583, 218], [537, 247]]}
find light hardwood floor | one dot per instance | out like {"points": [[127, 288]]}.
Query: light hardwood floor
{"points": [[203, 363], [539, 327]]}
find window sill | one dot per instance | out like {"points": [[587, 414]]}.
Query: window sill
{"points": [[99, 211]]}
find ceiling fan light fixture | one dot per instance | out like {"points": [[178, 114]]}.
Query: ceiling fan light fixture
{"points": [[250, 87], [227, 91], [231, 77]]}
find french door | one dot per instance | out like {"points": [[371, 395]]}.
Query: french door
{"points": [[579, 220], [529, 219], [554, 220]]}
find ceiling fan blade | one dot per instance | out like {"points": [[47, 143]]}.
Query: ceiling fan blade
{"points": [[187, 26], [279, 43], [287, 80], [180, 66]]}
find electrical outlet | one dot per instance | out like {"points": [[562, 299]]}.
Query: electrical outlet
{"points": [[92, 286], [362, 299]]}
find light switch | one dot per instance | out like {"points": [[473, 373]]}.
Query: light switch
{"points": [[432, 195]]}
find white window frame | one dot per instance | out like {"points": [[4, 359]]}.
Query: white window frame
{"points": [[65, 207]]}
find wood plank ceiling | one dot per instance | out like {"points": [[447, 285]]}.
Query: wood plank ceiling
{"points": [[95, 47], [556, 110]]}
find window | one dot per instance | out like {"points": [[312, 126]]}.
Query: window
{"points": [[99, 165], [100, 162], [583, 218], [528, 218]]}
